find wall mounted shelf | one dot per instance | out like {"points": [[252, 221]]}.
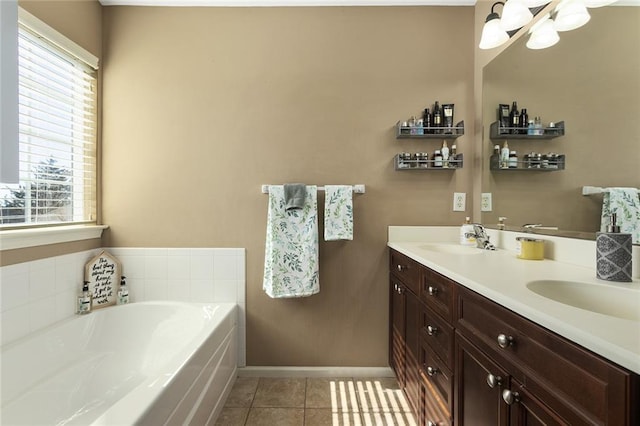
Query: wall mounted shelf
{"points": [[406, 132], [548, 132], [535, 165], [455, 162]]}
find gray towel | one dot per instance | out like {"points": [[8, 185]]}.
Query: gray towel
{"points": [[294, 195]]}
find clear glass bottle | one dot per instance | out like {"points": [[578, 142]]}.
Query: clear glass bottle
{"points": [[84, 300], [123, 292]]}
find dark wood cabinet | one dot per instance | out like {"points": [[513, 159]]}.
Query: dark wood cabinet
{"points": [[463, 359]]}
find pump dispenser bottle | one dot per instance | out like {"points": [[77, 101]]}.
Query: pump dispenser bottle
{"points": [[84, 300], [123, 292], [613, 254], [467, 234]]}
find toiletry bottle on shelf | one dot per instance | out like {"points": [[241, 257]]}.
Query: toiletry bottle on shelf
{"points": [[514, 118], [513, 160], [613, 254], [437, 158], [437, 118], [452, 156], [123, 292], [504, 156], [501, 224], [84, 300], [412, 125], [445, 154], [426, 121], [537, 126], [530, 128], [419, 126], [524, 121], [467, 234]]}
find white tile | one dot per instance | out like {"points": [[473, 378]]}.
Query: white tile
{"points": [[201, 291], [14, 323], [136, 290], [133, 266], [42, 313], [156, 251], [11, 270], [66, 304], [226, 251], [179, 290], [225, 267], [42, 281], [48, 263], [156, 290], [14, 289], [224, 291], [201, 267], [178, 252], [241, 292], [66, 274], [155, 267], [178, 267]]}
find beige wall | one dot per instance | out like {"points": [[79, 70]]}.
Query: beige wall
{"points": [[202, 106], [80, 21]]}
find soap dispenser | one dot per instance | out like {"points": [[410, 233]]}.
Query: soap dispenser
{"points": [[123, 292], [84, 300], [467, 233], [613, 254]]}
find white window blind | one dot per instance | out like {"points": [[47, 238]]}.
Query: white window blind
{"points": [[57, 136]]}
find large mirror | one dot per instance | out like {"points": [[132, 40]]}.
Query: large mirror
{"points": [[590, 80]]}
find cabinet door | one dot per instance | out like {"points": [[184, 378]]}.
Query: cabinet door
{"points": [[412, 358], [527, 410], [397, 335], [479, 383]]}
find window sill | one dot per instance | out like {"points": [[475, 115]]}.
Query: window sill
{"points": [[33, 237]]}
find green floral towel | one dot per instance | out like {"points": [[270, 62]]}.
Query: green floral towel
{"points": [[624, 202], [291, 249], [338, 212]]}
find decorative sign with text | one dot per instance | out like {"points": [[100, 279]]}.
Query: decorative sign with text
{"points": [[103, 273]]}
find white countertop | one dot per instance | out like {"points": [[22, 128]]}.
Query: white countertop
{"points": [[502, 277]]}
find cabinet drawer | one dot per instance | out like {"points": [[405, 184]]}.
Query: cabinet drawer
{"points": [[575, 383], [436, 374], [437, 291], [433, 411], [406, 269], [437, 333]]}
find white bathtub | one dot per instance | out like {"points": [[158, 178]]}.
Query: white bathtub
{"points": [[144, 363]]}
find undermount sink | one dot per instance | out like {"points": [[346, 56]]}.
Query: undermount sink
{"points": [[618, 302], [451, 248]]}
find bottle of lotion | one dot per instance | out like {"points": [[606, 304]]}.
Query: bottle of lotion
{"points": [[123, 292], [504, 156], [445, 154], [84, 300], [467, 234]]}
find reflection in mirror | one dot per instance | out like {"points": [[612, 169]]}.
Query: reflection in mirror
{"points": [[591, 81]]}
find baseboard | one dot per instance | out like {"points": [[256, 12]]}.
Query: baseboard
{"points": [[265, 371]]}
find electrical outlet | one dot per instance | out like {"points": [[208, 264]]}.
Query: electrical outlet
{"points": [[459, 201], [485, 202]]}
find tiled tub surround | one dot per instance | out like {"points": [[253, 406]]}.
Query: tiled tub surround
{"points": [[36, 294], [501, 277]]}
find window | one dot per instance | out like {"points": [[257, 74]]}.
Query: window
{"points": [[57, 131]]}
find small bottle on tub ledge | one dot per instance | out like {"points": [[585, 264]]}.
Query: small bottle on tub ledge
{"points": [[123, 292], [84, 300]]}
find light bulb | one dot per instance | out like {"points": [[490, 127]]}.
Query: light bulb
{"points": [[571, 14], [515, 15], [543, 34]]}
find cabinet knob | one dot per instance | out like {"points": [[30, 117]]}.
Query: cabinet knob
{"points": [[431, 330], [431, 371], [399, 290], [505, 341], [401, 268], [510, 397], [494, 381], [432, 291]]}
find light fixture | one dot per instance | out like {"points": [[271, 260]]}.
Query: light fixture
{"points": [[536, 3], [515, 15], [493, 35], [598, 3], [543, 34], [571, 14]]}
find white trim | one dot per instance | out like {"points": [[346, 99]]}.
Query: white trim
{"points": [[315, 372], [292, 3], [53, 36], [32, 237]]}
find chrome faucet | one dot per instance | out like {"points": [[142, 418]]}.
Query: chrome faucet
{"points": [[482, 239]]}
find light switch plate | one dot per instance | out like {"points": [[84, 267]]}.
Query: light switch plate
{"points": [[459, 201], [485, 202]]}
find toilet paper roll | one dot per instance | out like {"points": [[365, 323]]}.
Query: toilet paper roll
{"points": [[613, 256]]}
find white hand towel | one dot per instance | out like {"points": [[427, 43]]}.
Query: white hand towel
{"points": [[625, 203], [291, 249], [338, 212]]}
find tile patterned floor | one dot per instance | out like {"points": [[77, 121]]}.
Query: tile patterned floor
{"points": [[316, 402]]}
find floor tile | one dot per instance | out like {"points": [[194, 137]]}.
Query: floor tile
{"points": [[331, 393], [329, 417], [242, 393], [280, 392], [276, 416], [232, 416], [381, 395]]}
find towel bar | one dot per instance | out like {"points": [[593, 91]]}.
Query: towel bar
{"points": [[357, 189], [590, 190]]}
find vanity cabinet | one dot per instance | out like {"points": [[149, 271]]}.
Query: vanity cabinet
{"points": [[463, 359]]}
